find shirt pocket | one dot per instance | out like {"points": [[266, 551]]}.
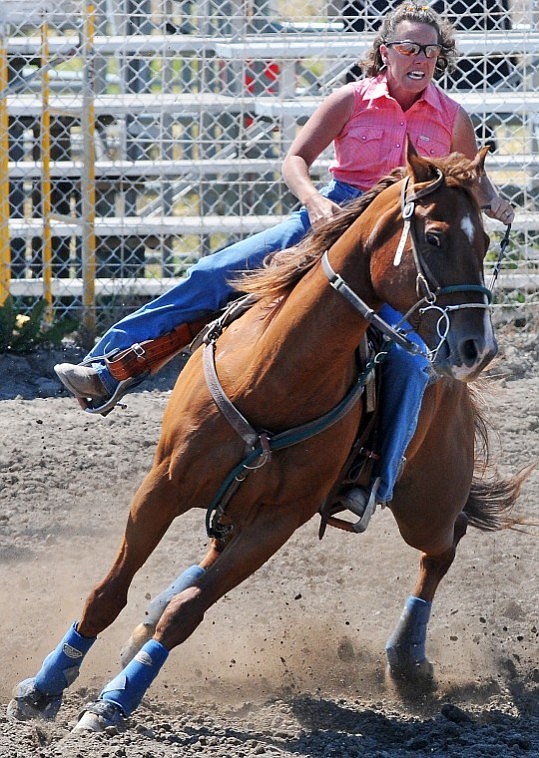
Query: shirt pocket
{"points": [[368, 138], [430, 147]]}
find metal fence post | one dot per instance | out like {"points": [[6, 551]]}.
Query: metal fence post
{"points": [[45, 147], [88, 182]]}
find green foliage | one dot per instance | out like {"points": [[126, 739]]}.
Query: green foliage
{"points": [[23, 333]]}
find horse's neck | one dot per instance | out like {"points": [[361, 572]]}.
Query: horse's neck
{"points": [[316, 329], [306, 350]]}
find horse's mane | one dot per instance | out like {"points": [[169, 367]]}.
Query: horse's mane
{"points": [[282, 270]]}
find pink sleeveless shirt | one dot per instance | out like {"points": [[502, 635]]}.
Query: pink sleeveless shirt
{"points": [[373, 141]]}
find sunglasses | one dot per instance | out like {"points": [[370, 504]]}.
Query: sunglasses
{"points": [[414, 48]]}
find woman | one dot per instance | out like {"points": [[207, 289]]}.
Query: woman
{"points": [[368, 122]]}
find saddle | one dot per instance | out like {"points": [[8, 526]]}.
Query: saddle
{"points": [[151, 355]]}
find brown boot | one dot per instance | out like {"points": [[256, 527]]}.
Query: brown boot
{"points": [[81, 381]]}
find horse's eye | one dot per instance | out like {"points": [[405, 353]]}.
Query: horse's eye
{"points": [[433, 239]]}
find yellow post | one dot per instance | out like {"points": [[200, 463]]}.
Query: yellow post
{"points": [[88, 181], [5, 253], [46, 204]]}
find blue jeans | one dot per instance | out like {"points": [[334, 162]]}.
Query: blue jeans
{"points": [[206, 290], [405, 377]]}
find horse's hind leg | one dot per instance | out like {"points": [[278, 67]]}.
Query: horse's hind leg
{"points": [[149, 518], [405, 649], [155, 609]]}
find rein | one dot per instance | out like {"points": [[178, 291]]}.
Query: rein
{"points": [[504, 242], [427, 287], [338, 283]]}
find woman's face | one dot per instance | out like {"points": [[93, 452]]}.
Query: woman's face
{"points": [[409, 75]]}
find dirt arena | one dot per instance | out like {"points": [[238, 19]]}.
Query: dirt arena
{"points": [[292, 662]]}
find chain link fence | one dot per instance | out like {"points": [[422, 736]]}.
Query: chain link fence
{"points": [[139, 135]]}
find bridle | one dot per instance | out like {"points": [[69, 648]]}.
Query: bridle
{"points": [[427, 287]]}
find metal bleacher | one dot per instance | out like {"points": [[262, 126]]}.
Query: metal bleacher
{"points": [[188, 159]]}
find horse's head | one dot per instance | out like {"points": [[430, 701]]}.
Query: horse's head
{"points": [[432, 267]]}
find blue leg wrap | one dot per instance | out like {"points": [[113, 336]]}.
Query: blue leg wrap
{"points": [[159, 603], [61, 667], [406, 646], [128, 688]]}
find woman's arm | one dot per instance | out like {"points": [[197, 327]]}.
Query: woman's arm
{"points": [[464, 142], [320, 130]]}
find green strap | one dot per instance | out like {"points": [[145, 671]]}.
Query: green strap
{"points": [[466, 288], [298, 433]]}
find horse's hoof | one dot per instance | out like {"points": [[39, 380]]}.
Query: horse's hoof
{"points": [[141, 634], [99, 716], [30, 703], [413, 678]]}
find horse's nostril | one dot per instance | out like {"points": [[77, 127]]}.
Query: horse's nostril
{"points": [[469, 351]]}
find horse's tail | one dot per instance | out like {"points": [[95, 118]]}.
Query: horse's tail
{"points": [[491, 501], [492, 497]]}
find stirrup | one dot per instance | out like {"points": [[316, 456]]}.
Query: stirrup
{"points": [[111, 402], [364, 514], [363, 522], [104, 406]]}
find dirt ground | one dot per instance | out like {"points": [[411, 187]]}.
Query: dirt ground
{"points": [[292, 662]]}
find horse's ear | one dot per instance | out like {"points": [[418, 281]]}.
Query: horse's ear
{"points": [[479, 160], [419, 168]]}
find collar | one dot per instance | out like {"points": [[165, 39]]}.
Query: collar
{"points": [[377, 89]]}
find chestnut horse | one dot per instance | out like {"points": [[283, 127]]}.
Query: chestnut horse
{"points": [[289, 360]]}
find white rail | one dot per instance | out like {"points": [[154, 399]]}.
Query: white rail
{"points": [[113, 170], [285, 44], [122, 226], [526, 280]]}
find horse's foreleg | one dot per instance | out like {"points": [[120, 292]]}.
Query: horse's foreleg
{"points": [[41, 696], [154, 508], [405, 649], [146, 629]]}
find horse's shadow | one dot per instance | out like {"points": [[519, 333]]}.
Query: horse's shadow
{"points": [[347, 730], [433, 724]]}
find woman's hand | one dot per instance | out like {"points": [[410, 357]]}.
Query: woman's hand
{"points": [[463, 141], [499, 208], [320, 209]]}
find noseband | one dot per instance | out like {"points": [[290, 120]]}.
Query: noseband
{"points": [[427, 287]]}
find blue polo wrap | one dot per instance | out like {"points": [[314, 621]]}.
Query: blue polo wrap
{"points": [[61, 667], [128, 688]]}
